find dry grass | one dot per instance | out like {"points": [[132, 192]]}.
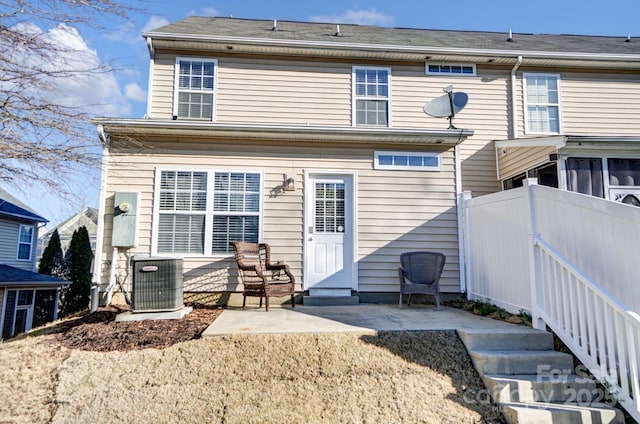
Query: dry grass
{"points": [[344, 378]]}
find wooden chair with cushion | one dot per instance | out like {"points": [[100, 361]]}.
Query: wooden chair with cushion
{"points": [[420, 272], [259, 276]]}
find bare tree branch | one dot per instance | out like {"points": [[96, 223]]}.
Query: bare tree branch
{"points": [[45, 130]]}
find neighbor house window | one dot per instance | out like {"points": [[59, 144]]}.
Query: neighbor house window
{"points": [[25, 242], [450, 69], [195, 89], [201, 212], [542, 103], [372, 96], [417, 161]]}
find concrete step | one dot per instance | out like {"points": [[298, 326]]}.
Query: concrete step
{"points": [[506, 339], [518, 362], [330, 300], [542, 388], [527, 413]]}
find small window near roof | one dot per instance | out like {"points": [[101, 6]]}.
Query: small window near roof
{"points": [[450, 69], [194, 89], [416, 161]]}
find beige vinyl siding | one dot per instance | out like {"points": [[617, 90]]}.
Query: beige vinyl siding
{"points": [[10, 231], [519, 159], [486, 113], [398, 211], [286, 92], [600, 104], [162, 87], [261, 91]]}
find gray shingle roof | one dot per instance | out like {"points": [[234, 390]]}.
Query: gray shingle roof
{"points": [[233, 28], [16, 277]]}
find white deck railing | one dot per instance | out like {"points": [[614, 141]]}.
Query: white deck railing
{"points": [[598, 329], [542, 250]]}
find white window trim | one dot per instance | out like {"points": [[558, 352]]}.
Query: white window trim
{"points": [[18, 258], [354, 98], [176, 85], [209, 213], [377, 154], [525, 97], [451, 74]]}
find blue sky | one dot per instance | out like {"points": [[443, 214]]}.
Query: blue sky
{"points": [[124, 93]]}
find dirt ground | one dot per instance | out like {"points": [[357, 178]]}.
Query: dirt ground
{"points": [[99, 332], [91, 369]]}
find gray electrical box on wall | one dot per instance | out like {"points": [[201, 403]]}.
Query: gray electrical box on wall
{"points": [[125, 219]]}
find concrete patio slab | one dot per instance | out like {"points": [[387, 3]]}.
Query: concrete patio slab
{"points": [[362, 318]]}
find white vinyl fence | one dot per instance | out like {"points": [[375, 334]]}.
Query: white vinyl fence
{"points": [[570, 260]]}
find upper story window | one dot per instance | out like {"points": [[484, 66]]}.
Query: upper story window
{"points": [[416, 161], [372, 96], [450, 69], [200, 212], [194, 96], [25, 242], [542, 103]]}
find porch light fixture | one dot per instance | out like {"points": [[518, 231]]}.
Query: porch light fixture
{"points": [[289, 182]]}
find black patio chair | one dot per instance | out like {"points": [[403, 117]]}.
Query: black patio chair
{"points": [[420, 273]]}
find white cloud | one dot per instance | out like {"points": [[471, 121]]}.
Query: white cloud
{"points": [[360, 17], [125, 33], [210, 11], [71, 72], [155, 22], [134, 92]]}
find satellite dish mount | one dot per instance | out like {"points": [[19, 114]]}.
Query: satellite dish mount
{"points": [[447, 105]]}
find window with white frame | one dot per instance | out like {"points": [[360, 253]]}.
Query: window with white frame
{"points": [[417, 161], [195, 89], [542, 103], [25, 242], [201, 212], [450, 69], [372, 96]]}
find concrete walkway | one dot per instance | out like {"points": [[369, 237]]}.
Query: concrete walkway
{"points": [[362, 318]]}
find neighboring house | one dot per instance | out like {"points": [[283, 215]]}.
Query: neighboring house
{"points": [[28, 299], [312, 137], [87, 218]]}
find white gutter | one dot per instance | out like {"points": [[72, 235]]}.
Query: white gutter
{"points": [[459, 212], [97, 260]]}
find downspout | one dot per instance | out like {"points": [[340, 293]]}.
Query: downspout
{"points": [[150, 83], [459, 212], [97, 259], [514, 112], [514, 108]]}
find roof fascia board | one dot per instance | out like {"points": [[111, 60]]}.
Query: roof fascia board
{"points": [[129, 126], [386, 48], [24, 217]]}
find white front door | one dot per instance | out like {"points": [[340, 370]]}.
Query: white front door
{"points": [[329, 267]]}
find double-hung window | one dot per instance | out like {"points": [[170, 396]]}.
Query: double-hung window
{"points": [[200, 212], [194, 96], [25, 242], [372, 96], [542, 103]]}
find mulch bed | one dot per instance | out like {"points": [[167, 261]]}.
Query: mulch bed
{"points": [[100, 332]]}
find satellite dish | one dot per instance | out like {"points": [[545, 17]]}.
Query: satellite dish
{"points": [[446, 106]]}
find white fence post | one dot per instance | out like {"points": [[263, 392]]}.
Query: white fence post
{"points": [[534, 274]]}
